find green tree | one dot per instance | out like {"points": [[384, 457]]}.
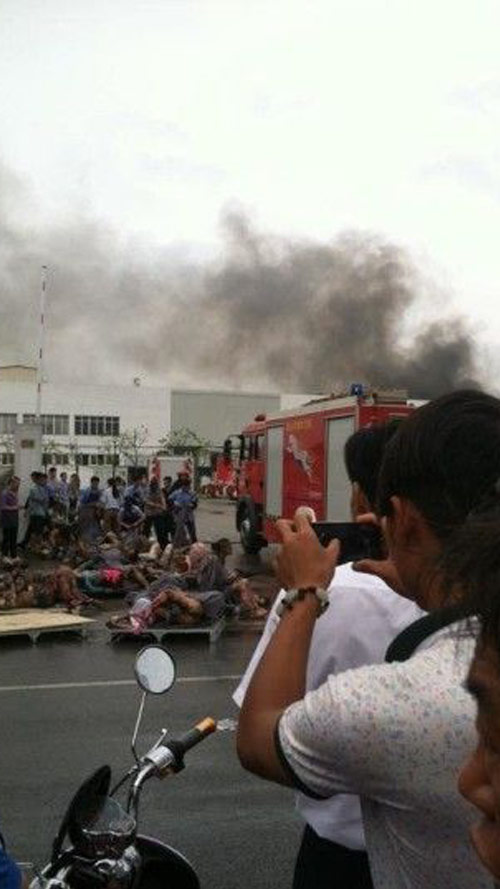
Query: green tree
{"points": [[185, 442], [131, 445], [6, 454]]}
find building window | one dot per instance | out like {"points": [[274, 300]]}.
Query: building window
{"points": [[85, 425], [7, 423], [51, 459], [7, 459], [52, 424]]}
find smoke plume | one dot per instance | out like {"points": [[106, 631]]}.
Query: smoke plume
{"points": [[270, 312]]}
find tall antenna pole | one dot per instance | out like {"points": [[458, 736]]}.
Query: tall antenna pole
{"points": [[41, 342]]}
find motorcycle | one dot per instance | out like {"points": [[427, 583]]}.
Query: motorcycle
{"points": [[98, 845]]}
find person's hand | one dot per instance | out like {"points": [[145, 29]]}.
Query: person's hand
{"points": [[302, 560], [385, 569]]}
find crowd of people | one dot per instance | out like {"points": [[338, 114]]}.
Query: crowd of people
{"points": [[137, 542], [129, 509], [375, 688]]}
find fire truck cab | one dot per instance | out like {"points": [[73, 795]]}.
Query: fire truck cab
{"points": [[295, 458]]}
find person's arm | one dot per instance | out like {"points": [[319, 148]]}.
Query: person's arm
{"points": [[11, 876], [137, 524], [10, 506], [280, 678], [271, 624]]}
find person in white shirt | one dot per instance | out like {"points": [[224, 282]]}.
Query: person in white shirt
{"points": [[112, 502], [363, 617], [394, 733]]}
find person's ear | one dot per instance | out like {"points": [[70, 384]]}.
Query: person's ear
{"points": [[359, 501], [405, 523]]}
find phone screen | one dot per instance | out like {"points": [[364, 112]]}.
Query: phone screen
{"points": [[357, 541]]}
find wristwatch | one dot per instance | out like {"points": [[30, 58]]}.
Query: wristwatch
{"points": [[296, 595]]}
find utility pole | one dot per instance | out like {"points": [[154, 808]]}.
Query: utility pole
{"points": [[41, 343]]}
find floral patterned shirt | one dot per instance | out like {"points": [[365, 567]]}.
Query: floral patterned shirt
{"points": [[397, 734]]}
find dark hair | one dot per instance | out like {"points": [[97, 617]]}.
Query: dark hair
{"points": [[95, 478], [471, 564], [444, 458], [363, 452], [113, 484]]}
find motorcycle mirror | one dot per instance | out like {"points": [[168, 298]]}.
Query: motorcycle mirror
{"points": [[155, 669]]}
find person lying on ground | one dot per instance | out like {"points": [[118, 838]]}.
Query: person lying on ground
{"points": [[396, 733], [206, 572], [107, 582], [169, 607], [62, 586]]}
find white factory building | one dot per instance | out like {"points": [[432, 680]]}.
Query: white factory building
{"points": [[83, 424]]}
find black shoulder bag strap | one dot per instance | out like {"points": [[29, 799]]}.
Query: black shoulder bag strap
{"points": [[406, 642]]}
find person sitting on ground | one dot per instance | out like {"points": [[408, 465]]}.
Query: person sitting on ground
{"points": [[394, 733], [130, 521]]}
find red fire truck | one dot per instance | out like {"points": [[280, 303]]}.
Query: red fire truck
{"points": [[295, 458]]}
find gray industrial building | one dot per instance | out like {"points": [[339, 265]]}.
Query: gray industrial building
{"points": [[216, 415]]}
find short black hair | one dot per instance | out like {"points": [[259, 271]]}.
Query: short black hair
{"points": [[95, 478], [445, 458], [363, 452]]}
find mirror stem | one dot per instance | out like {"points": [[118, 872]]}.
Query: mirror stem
{"points": [[137, 724]]}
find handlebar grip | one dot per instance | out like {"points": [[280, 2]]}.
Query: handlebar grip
{"points": [[190, 739]]}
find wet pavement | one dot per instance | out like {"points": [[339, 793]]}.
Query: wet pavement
{"points": [[69, 705]]}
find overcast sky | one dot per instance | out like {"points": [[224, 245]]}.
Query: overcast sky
{"points": [[313, 116]]}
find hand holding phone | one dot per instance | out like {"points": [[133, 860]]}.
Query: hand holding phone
{"points": [[357, 540]]}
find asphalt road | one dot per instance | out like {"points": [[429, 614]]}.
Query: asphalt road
{"points": [[69, 706]]}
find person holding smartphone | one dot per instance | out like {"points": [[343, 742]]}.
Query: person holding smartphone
{"points": [[394, 733], [363, 617]]}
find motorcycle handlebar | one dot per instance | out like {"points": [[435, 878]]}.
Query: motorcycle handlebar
{"points": [[194, 736]]}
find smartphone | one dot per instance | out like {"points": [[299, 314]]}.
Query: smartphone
{"points": [[357, 541]]}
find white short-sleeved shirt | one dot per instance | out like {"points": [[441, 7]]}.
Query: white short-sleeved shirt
{"points": [[397, 734], [363, 617]]}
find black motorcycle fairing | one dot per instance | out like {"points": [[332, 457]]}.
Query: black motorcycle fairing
{"points": [[164, 867], [87, 802]]}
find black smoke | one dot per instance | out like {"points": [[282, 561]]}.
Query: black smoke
{"points": [[287, 314]]}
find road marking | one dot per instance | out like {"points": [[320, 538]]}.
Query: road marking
{"points": [[112, 683]]}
